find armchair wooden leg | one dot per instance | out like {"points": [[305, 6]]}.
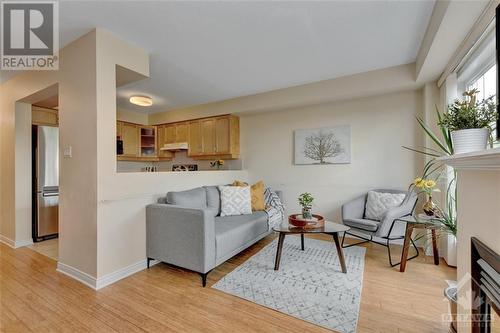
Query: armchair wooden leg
{"points": [[149, 261]]}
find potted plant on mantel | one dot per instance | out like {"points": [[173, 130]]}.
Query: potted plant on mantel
{"points": [[470, 122]]}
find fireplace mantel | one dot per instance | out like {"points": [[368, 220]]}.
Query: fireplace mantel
{"points": [[488, 159], [478, 213]]}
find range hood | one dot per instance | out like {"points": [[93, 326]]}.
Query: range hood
{"points": [[175, 146]]}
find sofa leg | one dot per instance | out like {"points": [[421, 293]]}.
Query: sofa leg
{"points": [[149, 261], [204, 279]]}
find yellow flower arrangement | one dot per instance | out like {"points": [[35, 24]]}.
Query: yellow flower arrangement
{"points": [[426, 185], [217, 164]]}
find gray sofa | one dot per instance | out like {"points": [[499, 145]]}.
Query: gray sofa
{"points": [[185, 229]]}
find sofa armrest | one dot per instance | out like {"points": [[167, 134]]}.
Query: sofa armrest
{"points": [[181, 236], [392, 214], [354, 209]]}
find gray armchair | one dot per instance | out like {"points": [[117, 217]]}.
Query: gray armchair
{"points": [[387, 229]]}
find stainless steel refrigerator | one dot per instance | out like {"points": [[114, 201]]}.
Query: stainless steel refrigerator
{"points": [[45, 155]]}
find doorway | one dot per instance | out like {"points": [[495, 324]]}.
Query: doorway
{"points": [[45, 176]]}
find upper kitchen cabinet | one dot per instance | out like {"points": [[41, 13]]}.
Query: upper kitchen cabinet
{"points": [[148, 141], [215, 137], [181, 132], [129, 134], [195, 144]]}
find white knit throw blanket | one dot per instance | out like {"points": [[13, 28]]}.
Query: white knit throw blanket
{"points": [[274, 208]]}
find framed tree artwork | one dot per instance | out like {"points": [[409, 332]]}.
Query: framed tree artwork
{"points": [[323, 145]]}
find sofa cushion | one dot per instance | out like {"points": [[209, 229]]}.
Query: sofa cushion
{"points": [[235, 200], [213, 199], [363, 224], [232, 232], [194, 198]]}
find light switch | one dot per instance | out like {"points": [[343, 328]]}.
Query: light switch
{"points": [[67, 152]]}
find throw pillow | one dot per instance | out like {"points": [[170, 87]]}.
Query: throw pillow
{"points": [[257, 193], [239, 183], [235, 200], [378, 203]]}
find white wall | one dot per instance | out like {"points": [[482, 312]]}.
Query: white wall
{"points": [[23, 173], [478, 216], [132, 117], [379, 127]]}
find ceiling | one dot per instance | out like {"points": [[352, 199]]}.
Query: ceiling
{"points": [[209, 51]]}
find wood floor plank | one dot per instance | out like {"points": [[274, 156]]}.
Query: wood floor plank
{"points": [[35, 297]]}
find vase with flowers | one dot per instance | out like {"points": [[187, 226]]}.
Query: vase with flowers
{"points": [[217, 164], [427, 186]]}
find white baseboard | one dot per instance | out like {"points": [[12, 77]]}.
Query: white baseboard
{"points": [[15, 244], [122, 273], [23, 243], [105, 280], [7, 241], [77, 274]]}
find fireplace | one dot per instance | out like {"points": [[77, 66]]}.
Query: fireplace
{"points": [[485, 273]]}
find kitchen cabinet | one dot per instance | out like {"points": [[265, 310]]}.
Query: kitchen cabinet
{"points": [[181, 132], [129, 133], [208, 136], [215, 137], [195, 147], [169, 134], [148, 141]]}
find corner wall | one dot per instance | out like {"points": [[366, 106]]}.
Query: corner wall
{"points": [[379, 127]]}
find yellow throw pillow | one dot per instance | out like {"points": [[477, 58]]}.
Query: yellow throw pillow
{"points": [[239, 183], [257, 193]]}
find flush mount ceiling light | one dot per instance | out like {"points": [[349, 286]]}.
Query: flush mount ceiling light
{"points": [[141, 100]]}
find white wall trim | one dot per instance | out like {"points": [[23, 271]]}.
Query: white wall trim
{"points": [[122, 273], [107, 279], [7, 241], [15, 244], [77, 274], [22, 243]]}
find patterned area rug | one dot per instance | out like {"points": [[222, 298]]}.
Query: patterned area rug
{"points": [[309, 284]]}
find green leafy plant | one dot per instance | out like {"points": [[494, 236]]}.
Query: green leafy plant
{"points": [[448, 217], [434, 169], [306, 200], [470, 113]]}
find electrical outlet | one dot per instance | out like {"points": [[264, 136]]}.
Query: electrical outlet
{"points": [[67, 152]]}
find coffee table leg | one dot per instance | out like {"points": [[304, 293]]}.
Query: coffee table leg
{"points": [[281, 239], [302, 241], [340, 252]]}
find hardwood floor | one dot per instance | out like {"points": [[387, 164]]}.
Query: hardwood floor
{"points": [[35, 298], [49, 248]]}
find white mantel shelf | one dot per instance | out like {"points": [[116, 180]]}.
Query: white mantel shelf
{"points": [[488, 159]]}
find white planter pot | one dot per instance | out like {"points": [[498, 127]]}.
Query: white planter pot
{"points": [[450, 255], [469, 140]]}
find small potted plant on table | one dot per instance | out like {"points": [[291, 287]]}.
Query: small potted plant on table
{"points": [[470, 122], [306, 201]]}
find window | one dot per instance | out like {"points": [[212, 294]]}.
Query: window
{"points": [[486, 83]]}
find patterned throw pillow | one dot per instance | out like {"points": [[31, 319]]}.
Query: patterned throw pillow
{"points": [[257, 193], [235, 200], [378, 203]]}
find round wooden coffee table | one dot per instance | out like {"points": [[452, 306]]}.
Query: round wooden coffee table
{"points": [[330, 228]]}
